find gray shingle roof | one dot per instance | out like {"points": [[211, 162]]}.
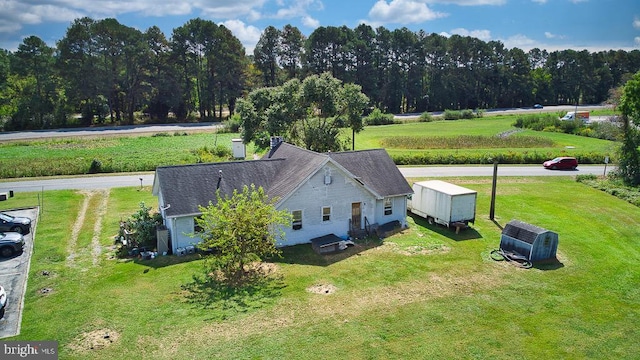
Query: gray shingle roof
{"points": [[523, 231], [375, 169], [279, 172]]}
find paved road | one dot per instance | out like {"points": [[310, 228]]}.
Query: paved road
{"points": [[107, 130], [126, 180]]}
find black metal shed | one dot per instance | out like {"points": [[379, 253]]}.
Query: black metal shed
{"points": [[533, 242]]}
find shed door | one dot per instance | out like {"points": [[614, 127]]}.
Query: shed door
{"points": [[355, 215]]}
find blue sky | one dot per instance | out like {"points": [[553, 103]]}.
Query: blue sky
{"points": [[593, 25]]}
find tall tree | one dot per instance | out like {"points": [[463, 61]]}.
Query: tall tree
{"points": [[354, 103], [37, 97], [123, 54], [266, 53], [230, 69], [629, 164], [162, 96], [77, 57], [363, 48], [291, 50], [307, 113]]}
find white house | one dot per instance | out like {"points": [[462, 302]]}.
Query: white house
{"points": [[340, 193]]}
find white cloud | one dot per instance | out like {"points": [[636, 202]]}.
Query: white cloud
{"points": [[636, 22], [540, 1], [297, 9], [247, 34], [484, 35], [550, 35], [522, 42], [402, 12], [310, 22]]}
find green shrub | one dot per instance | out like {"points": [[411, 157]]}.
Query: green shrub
{"points": [[232, 125], [461, 114], [606, 130], [425, 117], [451, 115], [206, 154], [377, 117], [95, 167], [585, 177]]}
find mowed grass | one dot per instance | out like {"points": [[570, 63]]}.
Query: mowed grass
{"points": [[473, 140], [424, 293]]}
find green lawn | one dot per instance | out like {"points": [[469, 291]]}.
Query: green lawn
{"points": [[424, 293]]}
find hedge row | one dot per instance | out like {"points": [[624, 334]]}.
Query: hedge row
{"points": [[488, 158]]}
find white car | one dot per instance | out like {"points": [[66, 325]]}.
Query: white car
{"points": [[3, 298]]}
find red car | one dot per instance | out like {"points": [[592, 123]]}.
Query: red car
{"points": [[561, 163]]}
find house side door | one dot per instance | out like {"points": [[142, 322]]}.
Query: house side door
{"points": [[356, 215]]}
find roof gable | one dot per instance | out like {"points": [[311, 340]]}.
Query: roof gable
{"points": [[375, 169]]}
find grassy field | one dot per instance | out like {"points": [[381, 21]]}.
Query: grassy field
{"points": [[562, 144], [424, 293], [144, 153]]}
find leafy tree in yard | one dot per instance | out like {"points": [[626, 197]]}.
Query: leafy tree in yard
{"points": [[629, 166], [239, 231], [308, 113]]}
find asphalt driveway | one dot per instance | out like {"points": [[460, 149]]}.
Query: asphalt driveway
{"points": [[13, 277]]}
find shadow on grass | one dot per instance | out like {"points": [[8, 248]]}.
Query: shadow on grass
{"points": [[304, 254], [466, 234], [549, 264], [223, 301], [162, 261]]}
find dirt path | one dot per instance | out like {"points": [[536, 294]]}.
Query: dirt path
{"points": [[97, 227], [96, 249]]}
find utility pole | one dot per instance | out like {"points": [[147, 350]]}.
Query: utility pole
{"points": [[492, 210]]}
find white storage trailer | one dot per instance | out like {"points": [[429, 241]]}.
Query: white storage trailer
{"points": [[443, 203]]}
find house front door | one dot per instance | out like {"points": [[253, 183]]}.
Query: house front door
{"points": [[355, 216]]}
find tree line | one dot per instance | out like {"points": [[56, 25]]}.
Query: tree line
{"points": [[103, 71]]}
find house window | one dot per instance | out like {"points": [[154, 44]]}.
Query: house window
{"points": [[297, 219], [326, 213], [388, 206]]}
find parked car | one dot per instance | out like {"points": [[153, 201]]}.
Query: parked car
{"points": [[3, 298], [20, 225], [537, 106], [561, 163], [11, 243]]}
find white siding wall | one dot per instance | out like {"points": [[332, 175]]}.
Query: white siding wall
{"points": [[181, 229], [339, 195], [311, 198], [398, 211]]}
